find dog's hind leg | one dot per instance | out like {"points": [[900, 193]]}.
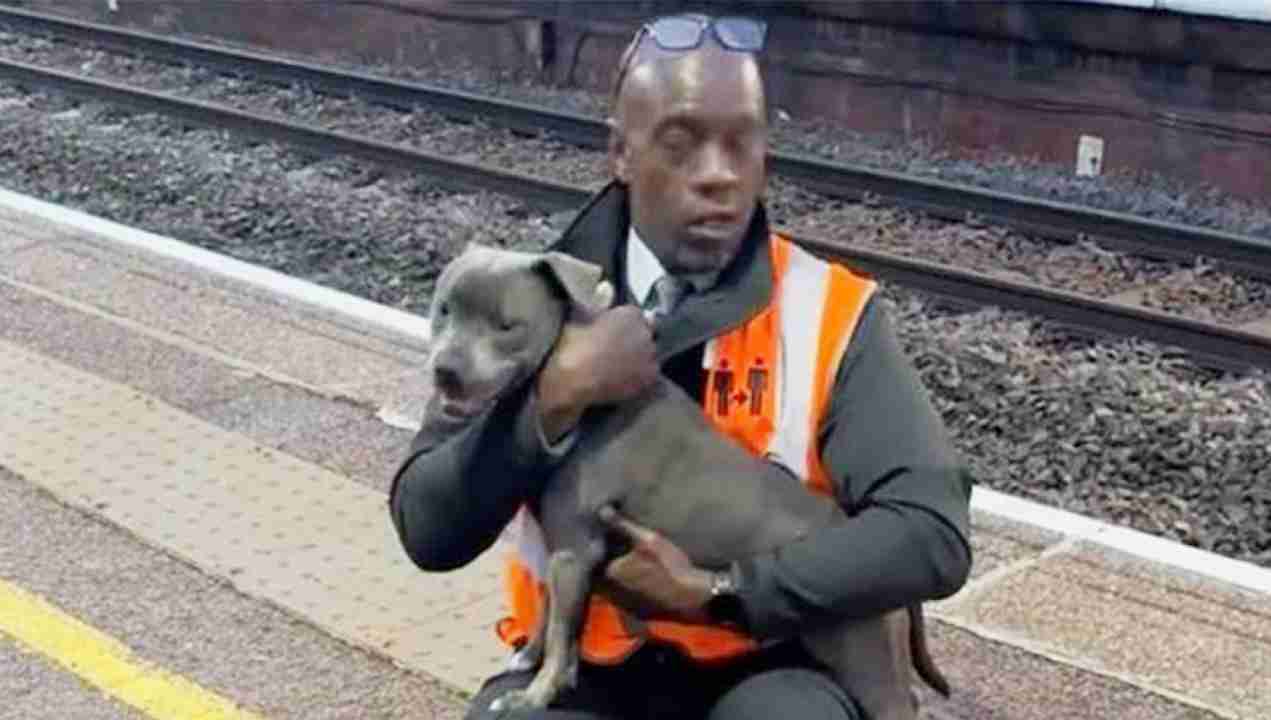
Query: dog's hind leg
{"points": [[870, 659], [568, 583]]}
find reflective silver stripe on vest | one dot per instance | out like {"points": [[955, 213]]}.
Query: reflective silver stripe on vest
{"points": [[799, 312], [524, 536]]}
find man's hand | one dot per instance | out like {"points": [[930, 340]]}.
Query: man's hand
{"points": [[655, 578], [607, 360]]}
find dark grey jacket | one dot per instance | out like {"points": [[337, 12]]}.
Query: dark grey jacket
{"points": [[895, 470]]}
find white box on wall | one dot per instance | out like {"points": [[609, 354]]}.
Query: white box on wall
{"points": [[1089, 155]]}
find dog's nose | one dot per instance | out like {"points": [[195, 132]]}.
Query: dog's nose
{"points": [[448, 380]]}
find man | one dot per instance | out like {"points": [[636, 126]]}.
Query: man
{"points": [[687, 151]]}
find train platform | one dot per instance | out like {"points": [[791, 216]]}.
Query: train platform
{"points": [[194, 459]]}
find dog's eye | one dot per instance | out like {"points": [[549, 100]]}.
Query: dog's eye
{"points": [[444, 310], [510, 325]]}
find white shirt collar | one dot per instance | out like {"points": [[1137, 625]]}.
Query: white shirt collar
{"points": [[643, 267]]}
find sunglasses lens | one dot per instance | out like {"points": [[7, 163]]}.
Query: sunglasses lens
{"points": [[741, 33], [677, 33]]}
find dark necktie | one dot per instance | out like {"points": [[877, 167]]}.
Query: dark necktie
{"points": [[667, 293]]}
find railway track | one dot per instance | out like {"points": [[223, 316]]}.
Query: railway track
{"points": [[1034, 216], [1209, 344]]}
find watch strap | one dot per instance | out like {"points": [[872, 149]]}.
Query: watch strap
{"points": [[725, 606]]}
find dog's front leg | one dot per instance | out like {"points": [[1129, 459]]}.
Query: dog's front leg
{"points": [[530, 657], [568, 582]]}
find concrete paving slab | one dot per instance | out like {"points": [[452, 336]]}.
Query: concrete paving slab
{"points": [[998, 543], [461, 647], [366, 321], [335, 321], [277, 415], [182, 306], [182, 378], [1178, 644], [11, 242], [187, 622], [19, 231], [366, 451], [338, 314], [399, 400], [995, 681], [1175, 587], [313, 543]]}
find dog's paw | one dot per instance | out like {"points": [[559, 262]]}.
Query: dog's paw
{"points": [[524, 661], [515, 700]]}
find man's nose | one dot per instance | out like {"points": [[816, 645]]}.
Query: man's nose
{"points": [[716, 170]]}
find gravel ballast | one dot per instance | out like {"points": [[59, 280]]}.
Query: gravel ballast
{"points": [[1082, 267], [1111, 430], [1149, 195], [1118, 431]]}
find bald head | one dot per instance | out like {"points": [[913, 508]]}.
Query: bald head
{"points": [[652, 72], [689, 140]]}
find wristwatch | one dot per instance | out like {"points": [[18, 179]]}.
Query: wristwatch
{"points": [[724, 606]]}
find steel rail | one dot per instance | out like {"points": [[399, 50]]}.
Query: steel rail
{"points": [[447, 172], [393, 93], [1036, 216], [1212, 345]]}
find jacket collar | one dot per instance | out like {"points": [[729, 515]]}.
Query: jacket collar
{"points": [[599, 234]]}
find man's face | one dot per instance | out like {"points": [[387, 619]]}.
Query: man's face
{"points": [[691, 142]]}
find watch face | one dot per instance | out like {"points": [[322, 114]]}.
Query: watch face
{"points": [[722, 584], [725, 608]]}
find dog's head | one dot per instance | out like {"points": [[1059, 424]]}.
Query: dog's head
{"points": [[495, 316]]}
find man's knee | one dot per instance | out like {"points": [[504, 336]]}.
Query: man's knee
{"points": [[479, 707], [795, 693]]}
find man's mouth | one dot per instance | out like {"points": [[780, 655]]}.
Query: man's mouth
{"points": [[713, 227], [717, 218]]}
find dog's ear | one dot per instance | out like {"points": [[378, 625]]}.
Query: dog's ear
{"points": [[582, 282]]}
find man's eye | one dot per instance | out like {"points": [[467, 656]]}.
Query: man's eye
{"points": [[677, 142]]}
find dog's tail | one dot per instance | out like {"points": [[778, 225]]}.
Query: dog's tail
{"points": [[923, 663]]}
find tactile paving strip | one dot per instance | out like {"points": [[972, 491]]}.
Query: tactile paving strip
{"points": [[276, 527]]}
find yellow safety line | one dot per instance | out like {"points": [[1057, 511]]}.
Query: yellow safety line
{"points": [[106, 663]]}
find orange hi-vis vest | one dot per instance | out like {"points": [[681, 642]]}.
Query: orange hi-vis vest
{"points": [[768, 384]]}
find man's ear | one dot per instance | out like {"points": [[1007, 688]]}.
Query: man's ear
{"points": [[619, 166], [582, 282]]}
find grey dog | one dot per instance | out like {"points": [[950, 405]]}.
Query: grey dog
{"points": [[495, 317]]}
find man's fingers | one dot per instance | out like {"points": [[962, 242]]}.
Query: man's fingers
{"points": [[635, 532]]}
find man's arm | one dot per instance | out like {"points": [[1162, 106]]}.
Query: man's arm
{"points": [[451, 498], [907, 492]]}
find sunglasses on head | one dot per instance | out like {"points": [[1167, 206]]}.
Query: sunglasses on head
{"points": [[686, 32]]}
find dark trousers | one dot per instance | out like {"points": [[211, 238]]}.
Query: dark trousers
{"points": [[657, 683]]}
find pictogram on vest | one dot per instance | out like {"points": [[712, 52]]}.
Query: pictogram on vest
{"points": [[768, 384]]}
